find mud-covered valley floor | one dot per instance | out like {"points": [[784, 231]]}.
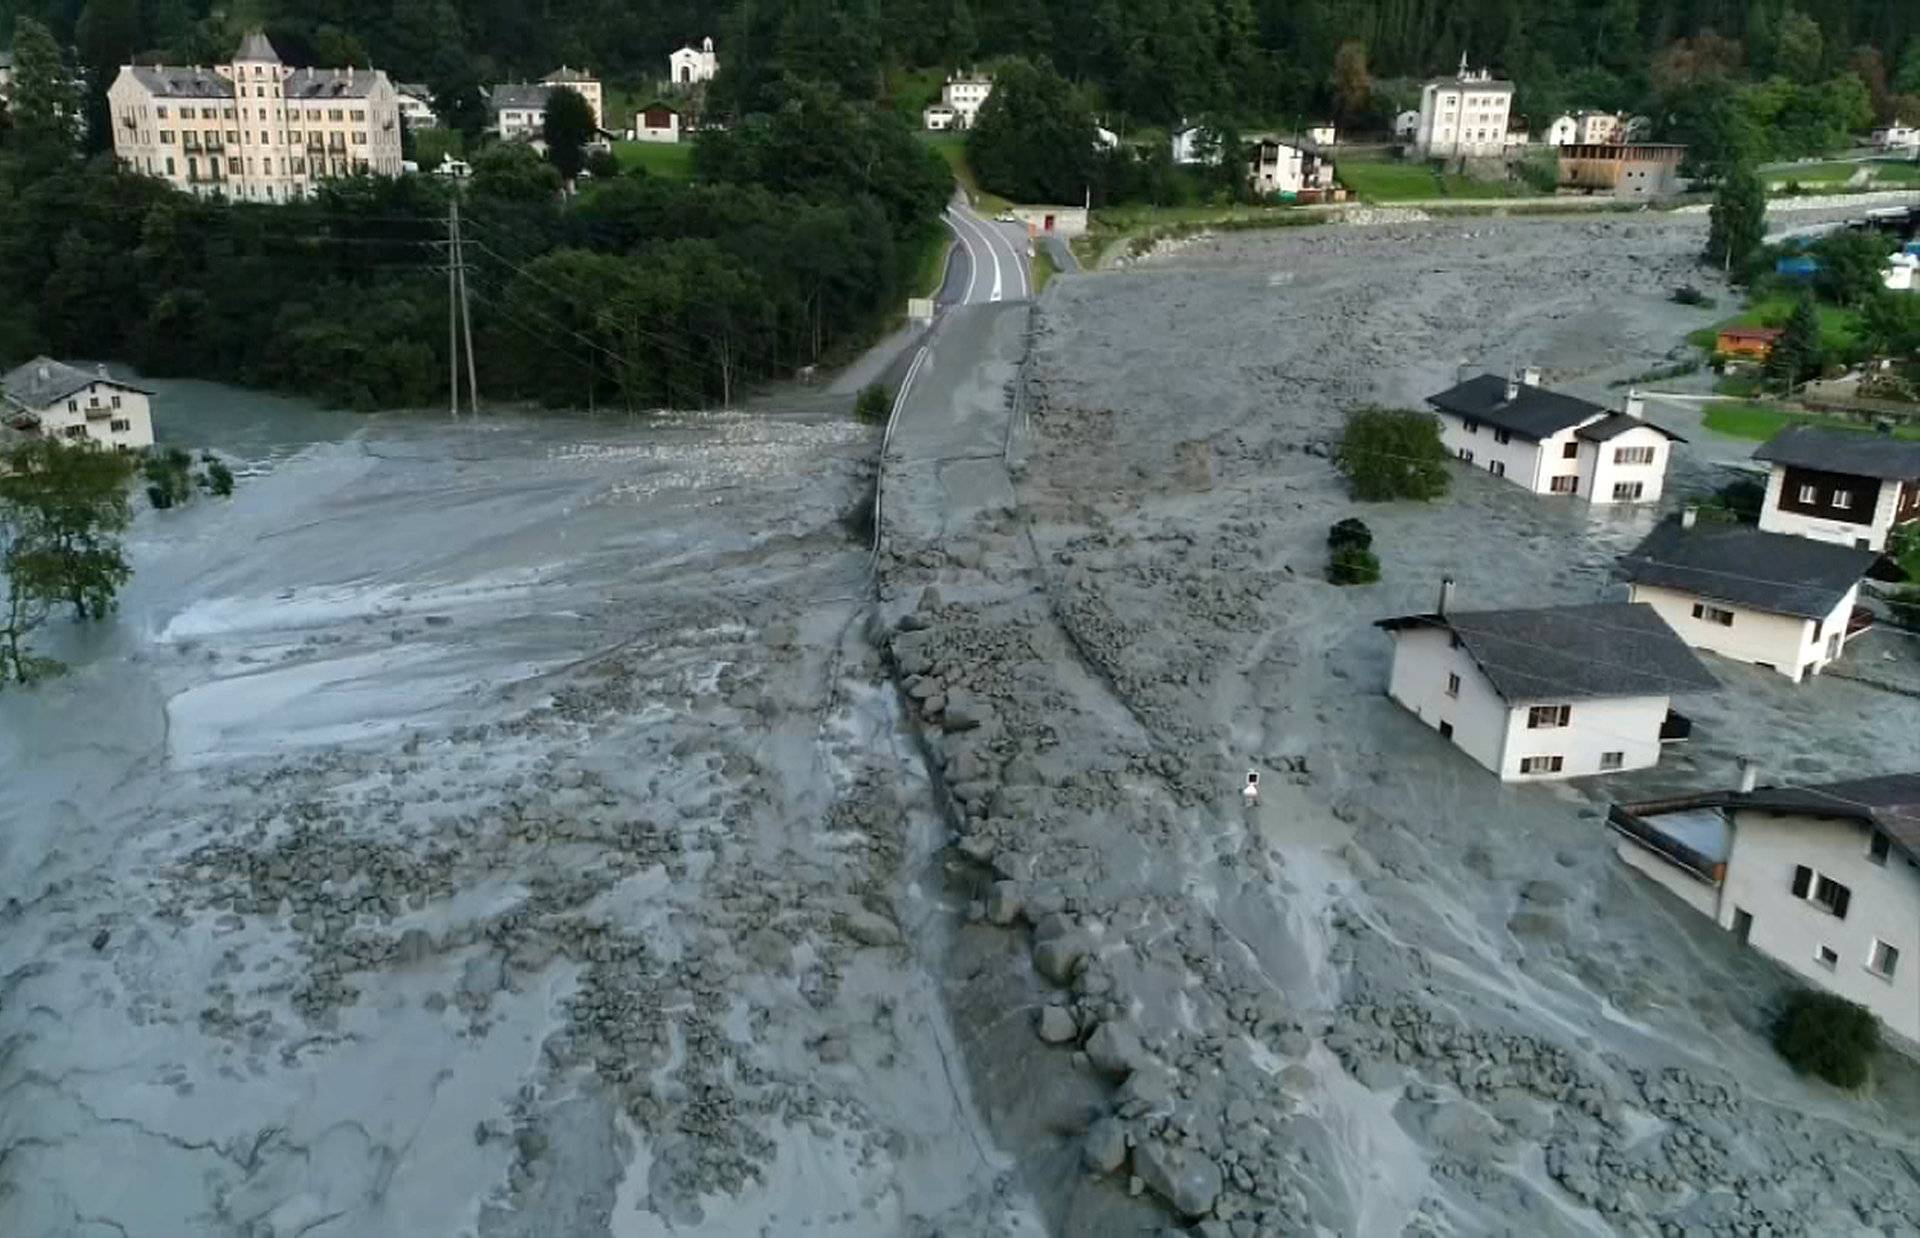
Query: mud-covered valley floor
{"points": [[550, 826], [1397, 997], [493, 829]]}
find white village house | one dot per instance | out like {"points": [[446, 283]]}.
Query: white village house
{"points": [[1788, 604], [965, 93], [657, 122], [59, 401], [1824, 879], [1463, 115], [415, 102], [938, 117], [1564, 131], [1552, 692], [1406, 124], [689, 66], [1897, 137], [1840, 486], [1193, 144], [1277, 168], [520, 108], [1552, 443]]}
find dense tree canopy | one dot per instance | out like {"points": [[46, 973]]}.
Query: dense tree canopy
{"points": [[1033, 140]]}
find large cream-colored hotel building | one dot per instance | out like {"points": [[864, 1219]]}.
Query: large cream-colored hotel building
{"points": [[254, 130]]}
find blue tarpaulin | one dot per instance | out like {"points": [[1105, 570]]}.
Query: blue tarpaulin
{"points": [[1797, 268]]}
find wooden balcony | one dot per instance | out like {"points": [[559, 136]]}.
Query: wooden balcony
{"points": [[1672, 850]]}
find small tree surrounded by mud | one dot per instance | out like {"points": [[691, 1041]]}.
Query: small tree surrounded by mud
{"points": [[1393, 453], [1826, 1035]]}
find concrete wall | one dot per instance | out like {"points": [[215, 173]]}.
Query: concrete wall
{"points": [[1786, 643], [1689, 889], [1885, 904], [1422, 660], [1066, 221], [1599, 473], [1521, 456], [89, 416], [1842, 532], [1627, 725]]}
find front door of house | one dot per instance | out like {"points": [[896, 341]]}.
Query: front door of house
{"points": [[1742, 925]]}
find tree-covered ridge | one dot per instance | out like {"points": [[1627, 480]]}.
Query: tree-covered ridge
{"points": [[1150, 61]]}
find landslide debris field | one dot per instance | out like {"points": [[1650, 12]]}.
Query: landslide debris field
{"points": [[532, 827], [493, 830], [1397, 997]]}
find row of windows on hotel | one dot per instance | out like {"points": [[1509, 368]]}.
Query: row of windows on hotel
{"points": [[211, 138], [358, 114], [289, 166]]}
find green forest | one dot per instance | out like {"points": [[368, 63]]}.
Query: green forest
{"points": [[810, 218]]}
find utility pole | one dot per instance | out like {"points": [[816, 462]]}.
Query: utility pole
{"points": [[453, 317], [457, 292]]}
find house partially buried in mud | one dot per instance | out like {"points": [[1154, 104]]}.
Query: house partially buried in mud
{"points": [[1550, 692], [1825, 879], [1788, 604], [1552, 443]]}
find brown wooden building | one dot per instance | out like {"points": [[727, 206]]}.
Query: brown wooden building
{"points": [[1640, 170]]}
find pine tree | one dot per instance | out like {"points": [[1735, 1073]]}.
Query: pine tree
{"points": [[1737, 222], [1797, 353]]}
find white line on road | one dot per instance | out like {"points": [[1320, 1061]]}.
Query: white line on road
{"points": [[886, 443], [986, 238]]}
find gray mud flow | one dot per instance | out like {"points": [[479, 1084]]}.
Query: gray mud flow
{"points": [[1396, 997], [493, 829]]}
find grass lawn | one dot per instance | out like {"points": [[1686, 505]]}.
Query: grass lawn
{"points": [[668, 160], [953, 148], [931, 271], [1760, 422], [1839, 327], [1043, 269], [1377, 180], [1827, 175]]}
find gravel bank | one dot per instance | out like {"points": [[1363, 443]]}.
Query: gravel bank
{"points": [[1395, 997]]}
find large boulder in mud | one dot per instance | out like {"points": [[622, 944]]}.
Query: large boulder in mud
{"points": [[1185, 1179]]}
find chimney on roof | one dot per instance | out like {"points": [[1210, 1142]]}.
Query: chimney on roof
{"points": [[1689, 516], [1635, 406], [1531, 376], [45, 372], [1446, 596], [1513, 388], [1462, 371], [101, 370], [1749, 775]]}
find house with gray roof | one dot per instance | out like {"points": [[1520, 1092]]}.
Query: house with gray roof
{"points": [[519, 109], [1845, 486], [50, 398], [1546, 692], [1552, 443], [1788, 604], [1822, 877]]}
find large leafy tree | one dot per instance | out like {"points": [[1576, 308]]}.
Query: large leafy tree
{"points": [[61, 512], [44, 103], [1033, 141], [567, 127], [1737, 219]]}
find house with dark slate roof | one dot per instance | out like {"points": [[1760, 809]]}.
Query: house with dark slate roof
{"points": [[1552, 443], [1840, 486], [1548, 692], [49, 398], [1823, 878], [1789, 604]]}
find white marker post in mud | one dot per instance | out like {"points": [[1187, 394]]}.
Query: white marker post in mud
{"points": [[1251, 792]]}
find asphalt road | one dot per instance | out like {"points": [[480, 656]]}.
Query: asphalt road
{"points": [[990, 262]]}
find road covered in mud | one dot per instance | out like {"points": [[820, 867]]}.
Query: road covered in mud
{"points": [[1395, 996], [491, 829]]}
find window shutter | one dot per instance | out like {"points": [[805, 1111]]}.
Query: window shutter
{"points": [[1802, 880], [1841, 897]]}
